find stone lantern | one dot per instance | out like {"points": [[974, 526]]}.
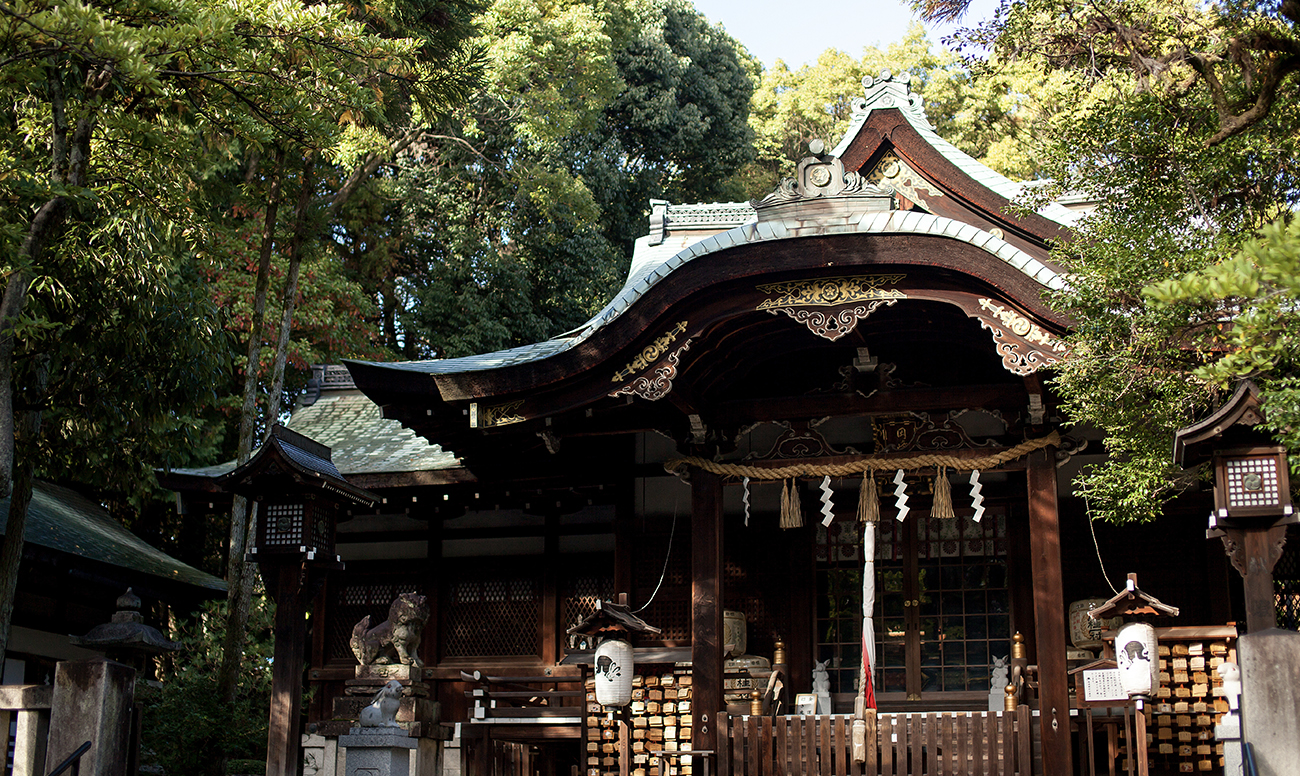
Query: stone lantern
{"points": [[1252, 494], [299, 493], [126, 638]]}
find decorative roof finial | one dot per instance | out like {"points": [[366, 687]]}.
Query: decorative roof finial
{"points": [[892, 90]]}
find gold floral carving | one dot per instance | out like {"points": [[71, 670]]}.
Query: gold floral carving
{"points": [[501, 414], [893, 173], [830, 292], [832, 325], [652, 353], [659, 382], [1022, 326], [1023, 345]]}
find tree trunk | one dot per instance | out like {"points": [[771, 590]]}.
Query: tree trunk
{"points": [[241, 574], [69, 159], [11, 554], [302, 219], [239, 582]]}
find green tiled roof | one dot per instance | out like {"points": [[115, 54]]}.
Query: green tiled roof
{"points": [[64, 520], [360, 439]]}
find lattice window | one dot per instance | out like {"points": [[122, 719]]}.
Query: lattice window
{"points": [[320, 529], [671, 608], [284, 524], [493, 616], [354, 599], [1286, 582], [672, 616], [941, 593], [580, 597]]}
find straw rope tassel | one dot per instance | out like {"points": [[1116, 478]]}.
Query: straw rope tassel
{"points": [[791, 515], [942, 495], [868, 500], [785, 504], [796, 505]]}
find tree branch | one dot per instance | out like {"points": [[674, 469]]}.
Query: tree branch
{"points": [[1231, 124]]}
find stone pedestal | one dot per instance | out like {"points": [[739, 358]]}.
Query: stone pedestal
{"points": [[378, 751], [1270, 699], [416, 712], [92, 702]]}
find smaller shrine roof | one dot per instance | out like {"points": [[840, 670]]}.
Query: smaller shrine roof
{"points": [[64, 520], [308, 463], [1233, 423], [612, 616], [362, 441], [1131, 600]]}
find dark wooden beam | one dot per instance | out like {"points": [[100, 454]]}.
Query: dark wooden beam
{"points": [[706, 607], [1254, 552], [551, 625], [431, 644], [1009, 396], [1049, 613], [284, 742]]}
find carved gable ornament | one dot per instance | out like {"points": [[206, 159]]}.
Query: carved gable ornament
{"points": [[821, 178]]}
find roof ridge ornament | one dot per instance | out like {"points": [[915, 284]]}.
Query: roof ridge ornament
{"points": [[822, 176], [891, 90]]}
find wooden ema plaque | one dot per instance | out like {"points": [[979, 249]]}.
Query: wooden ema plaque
{"points": [[1189, 701], [657, 721]]}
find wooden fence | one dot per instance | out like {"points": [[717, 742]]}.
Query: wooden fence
{"points": [[916, 744], [29, 706]]}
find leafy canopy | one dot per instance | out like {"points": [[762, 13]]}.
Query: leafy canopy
{"points": [[1178, 285]]}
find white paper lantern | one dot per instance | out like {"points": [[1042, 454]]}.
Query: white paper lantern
{"points": [[1135, 652], [614, 673]]}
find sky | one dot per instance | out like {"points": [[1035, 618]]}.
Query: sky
{"points": [[771, 30]]}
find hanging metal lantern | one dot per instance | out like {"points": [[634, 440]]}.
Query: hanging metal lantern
{"points": [[613, 672]]}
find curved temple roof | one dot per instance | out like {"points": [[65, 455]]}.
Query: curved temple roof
{"points": [[685, 233]]}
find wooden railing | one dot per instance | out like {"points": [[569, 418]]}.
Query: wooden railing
{"points": [[30, 703], [914, 744], [520, 699]]}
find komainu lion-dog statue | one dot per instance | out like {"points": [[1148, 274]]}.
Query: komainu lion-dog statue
{"points": [[395, 640]]}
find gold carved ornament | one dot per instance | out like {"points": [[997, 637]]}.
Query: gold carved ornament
{"points": [[830, 292], [866, 294], [650, 354], [1020, 357], [498, 415], [659, 382]]}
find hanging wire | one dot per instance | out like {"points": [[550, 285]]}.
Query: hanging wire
{"points": [[1087, 508], [662, 574]]}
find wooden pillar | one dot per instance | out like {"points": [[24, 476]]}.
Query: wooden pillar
{"points": [[1049, 613], [431, 642], [624, 536], [706, 607], [1254, 552], [551, 628], [284, 742]]}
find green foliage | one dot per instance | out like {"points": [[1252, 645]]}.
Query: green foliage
{"points": [[993, 117], [185, 722], [1162, 324], [1246, 308], [513, 220]]}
